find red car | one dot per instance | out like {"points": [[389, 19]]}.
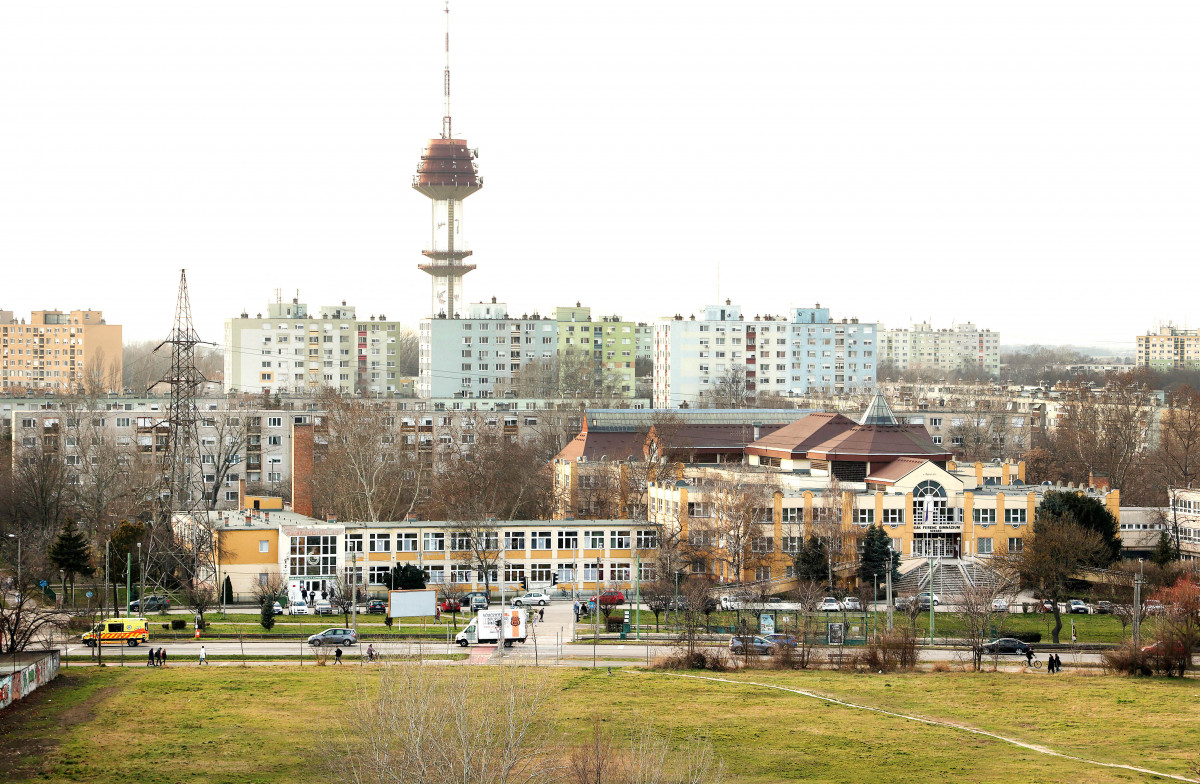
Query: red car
{"points": [[1160, 647], [610, 598], [449, 605]]}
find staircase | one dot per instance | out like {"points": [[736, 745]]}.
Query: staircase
{"points": [[913, 581], [948, 582], [979, 574]]}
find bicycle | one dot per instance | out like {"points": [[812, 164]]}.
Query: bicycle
{"points": [[1035, 663]]}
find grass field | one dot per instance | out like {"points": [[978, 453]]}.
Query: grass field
{"points": [[267, 724]]}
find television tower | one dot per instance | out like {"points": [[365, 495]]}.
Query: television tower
{"points": [[446, 175]]}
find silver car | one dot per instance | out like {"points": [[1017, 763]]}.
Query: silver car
{"points": [[334, 637]]}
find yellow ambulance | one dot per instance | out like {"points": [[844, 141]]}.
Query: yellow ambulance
{"points": [[130, 631]]}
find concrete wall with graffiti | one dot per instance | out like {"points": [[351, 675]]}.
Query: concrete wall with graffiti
{"points": [[27, 678]]}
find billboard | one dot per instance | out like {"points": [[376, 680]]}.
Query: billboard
{"points": [[411, 604]]}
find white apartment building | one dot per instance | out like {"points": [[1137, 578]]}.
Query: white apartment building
{"points": [[805, 354], [921, 347], [469, 357]]}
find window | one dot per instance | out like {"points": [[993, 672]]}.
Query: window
{"points": [[354, 543], [984, 516], [514, 540], [1016, 545], [619, 540], [762, 544], [983, 546], [541, 540], [1014, 516], [566, 572], [460, 573], [791, 544], [378, 575], [568, 540], [762, 573], [647, 571], [647, 539], [698, 509], [459, 541], [863, 516], [792, 514], [380, 543], [264, 545], [893, 516], [274, 440], [434, 542], [593, 540], [437, 574], [593, 572], [121, 421], [540, 573], [406, 543], [514, 572], [274, 421]]}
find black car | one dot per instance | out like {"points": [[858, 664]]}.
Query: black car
{"points": [[1006, 645], [376, 606], [153, 604]]}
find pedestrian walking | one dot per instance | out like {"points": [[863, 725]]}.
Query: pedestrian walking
{"points": [[370, 653], [162, 657], [541, 615], [575, 609], [337, 656], [203, 657], [150, 657], [1057, 663]]}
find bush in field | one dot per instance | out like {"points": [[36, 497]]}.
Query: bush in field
{"points": [[894, 650], [266, 616]]}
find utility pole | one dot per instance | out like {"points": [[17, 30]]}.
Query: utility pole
{"points": [[1137, 603], [128, 582], [932, 602], [354, 589], [142, 575], [889, 588]]}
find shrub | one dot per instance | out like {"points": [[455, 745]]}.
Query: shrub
{"points": [[1126, 660], [266, 616], [892, 650], [166, 626], [1030, 637], [178, 623], [79, 623], [712, 659]]}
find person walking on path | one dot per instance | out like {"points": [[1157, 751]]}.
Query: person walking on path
{"points": [[203, 657], [337, 656], [150, 657], [541, 615], [575, 609], [371, 653], [162, 657]]}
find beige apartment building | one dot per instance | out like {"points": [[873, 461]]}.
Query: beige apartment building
{"points": [[59, 352], [1169, 348]]}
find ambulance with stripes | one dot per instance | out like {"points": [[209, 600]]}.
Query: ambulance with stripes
{"points": [[130, 631]]}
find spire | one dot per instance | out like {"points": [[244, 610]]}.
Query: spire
{"points": [[878, 413], [446, 116]]}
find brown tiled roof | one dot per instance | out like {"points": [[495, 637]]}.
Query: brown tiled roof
{"points": [[799, 436], [880, 442], [594, 445], [896, 470]]}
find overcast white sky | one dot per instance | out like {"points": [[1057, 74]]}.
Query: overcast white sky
{"points": [[1029, 166]]}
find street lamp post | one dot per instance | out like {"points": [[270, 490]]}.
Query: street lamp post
{"points": [[20, 593], [142, 576], [875, 604], [888, 586]]}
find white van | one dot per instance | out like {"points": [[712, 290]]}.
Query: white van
{"points": [[490, 625]]}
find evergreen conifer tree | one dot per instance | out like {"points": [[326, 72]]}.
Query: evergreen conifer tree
{"points": [[266, 615], [72, 553]]}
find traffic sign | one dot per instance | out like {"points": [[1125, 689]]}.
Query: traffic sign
{"points": [[42, 583], [89, 594]]}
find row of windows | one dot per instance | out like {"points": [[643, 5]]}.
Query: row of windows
{"points": [[456, 541]]}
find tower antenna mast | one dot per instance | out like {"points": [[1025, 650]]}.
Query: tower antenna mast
{"points": [[446, 87]]}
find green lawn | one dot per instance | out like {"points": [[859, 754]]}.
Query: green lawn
{"points": [[264, 724]]}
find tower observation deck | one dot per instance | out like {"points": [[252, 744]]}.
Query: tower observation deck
{"points": [[446, 176]]}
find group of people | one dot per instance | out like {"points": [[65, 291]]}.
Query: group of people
{"points": [[1053, 663], [156, 658]]}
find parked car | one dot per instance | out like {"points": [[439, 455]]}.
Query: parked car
{"points": [[1104, 608], [479, 602], [1047, 605], [299, 607], [999, 604], [449, 605], [829, 604], [904, 602], [533, 597], [323, 607], [751, 644], [1006, 645], [376, 606], [774, 600], [924, 597], [153, 604], [334, 637], [277, 608], [785, 640], [1160, 648], [611, 598], [466, 600], [852, 603], [1153, 607], [1078, 607]]}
